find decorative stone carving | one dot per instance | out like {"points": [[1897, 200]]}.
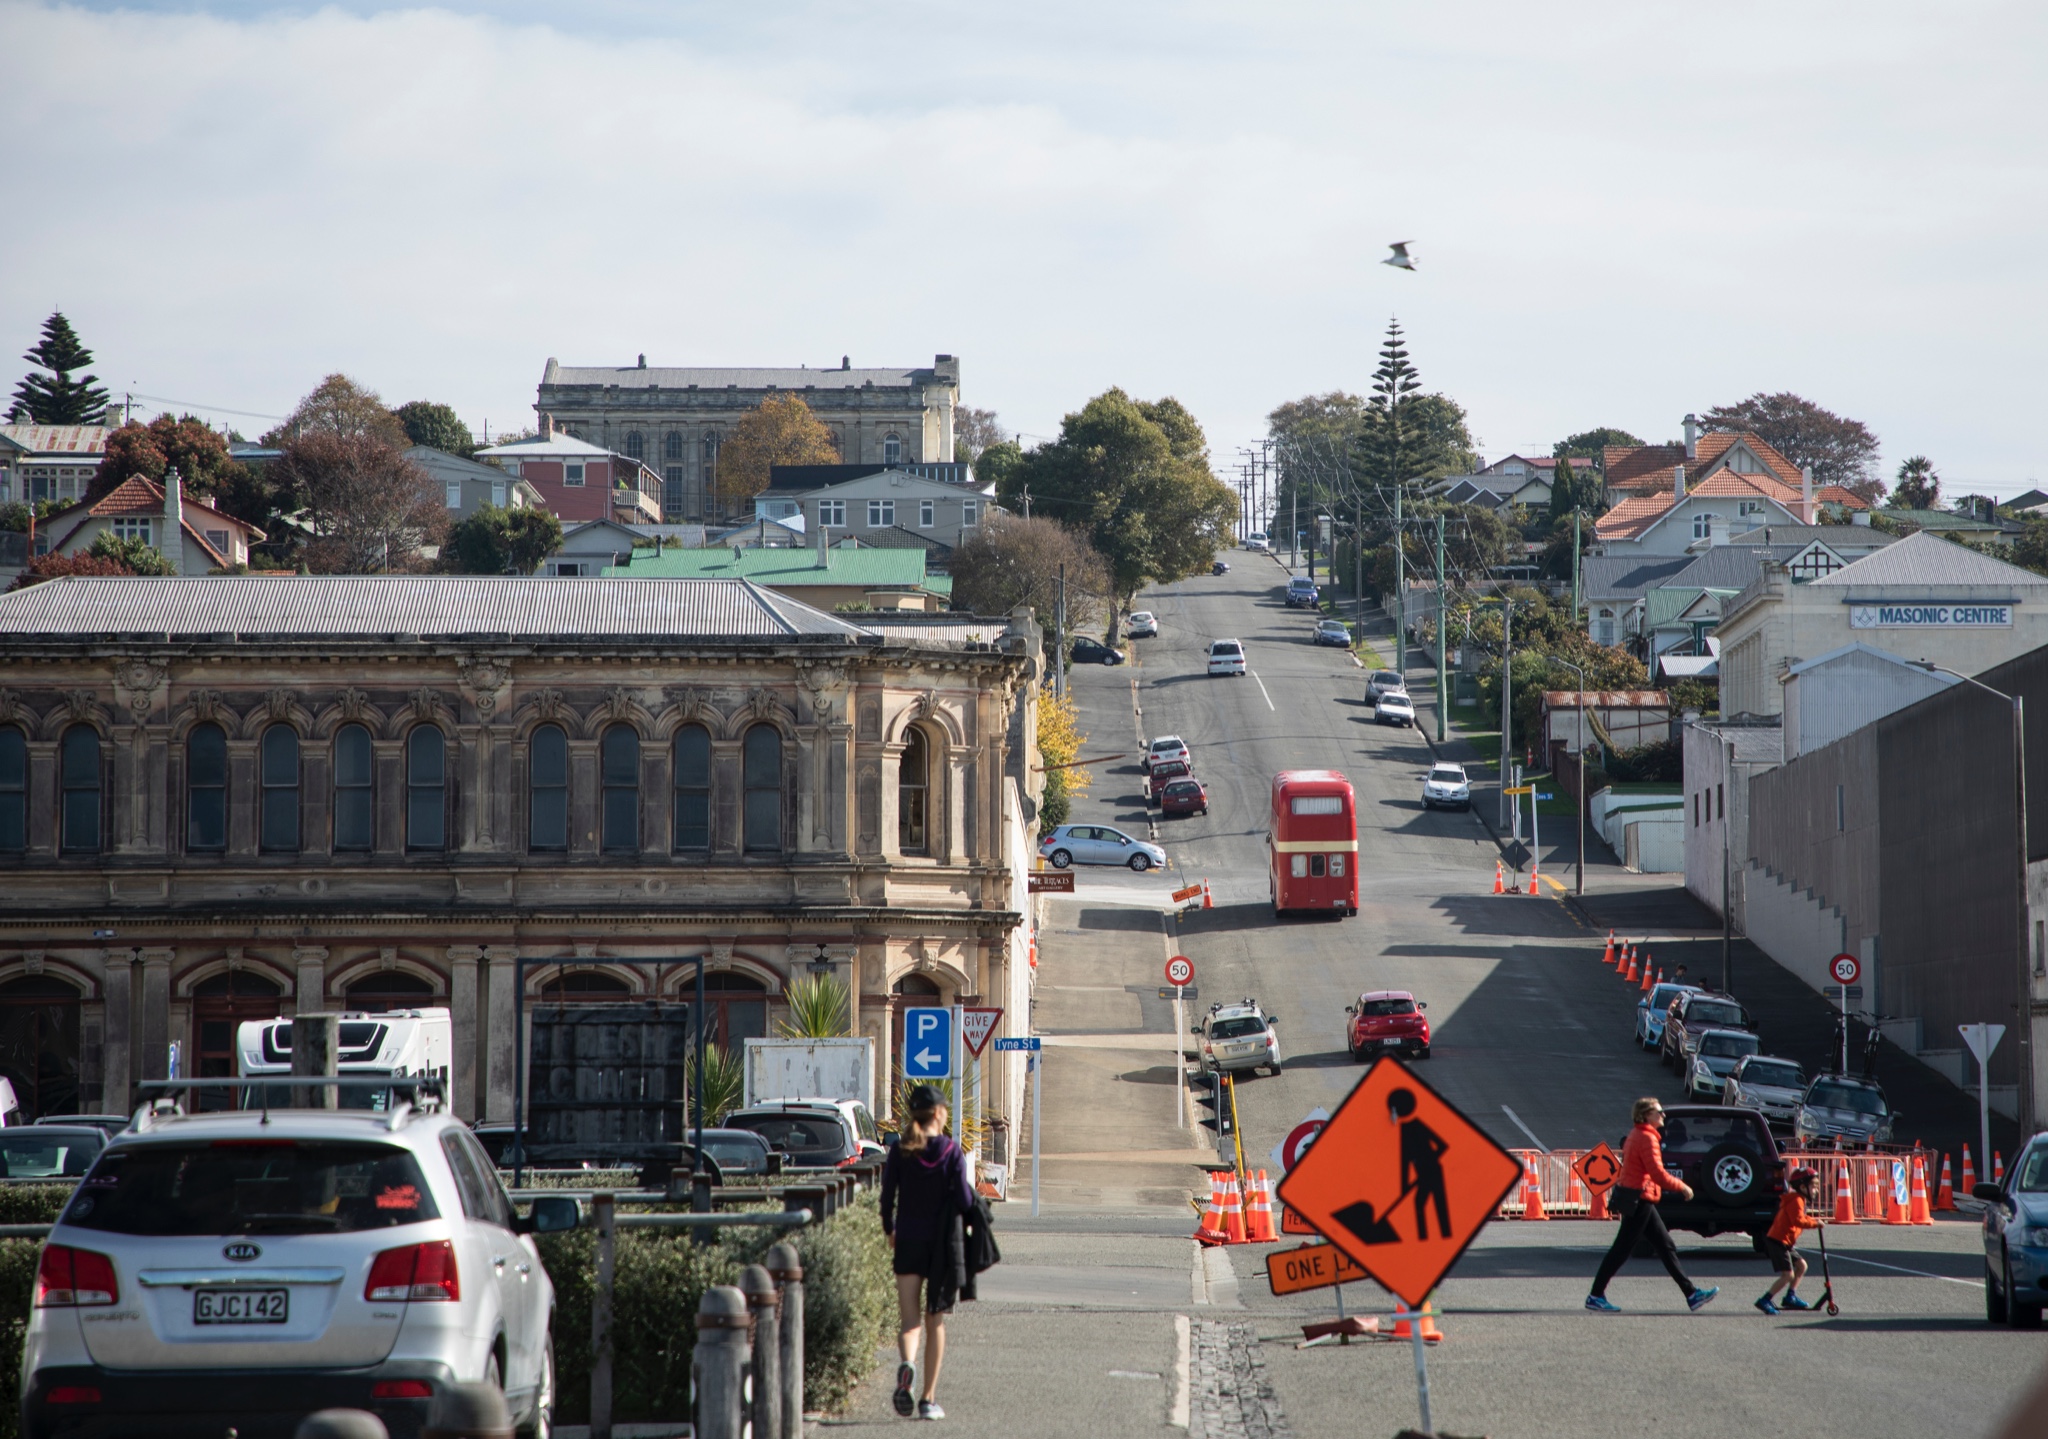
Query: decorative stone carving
{"points": [[81, 706], [869, 723], [925, 705], [353, 704], [762, 704], [618, 703], [690, 704], [10, 706], [549, 705], [279, 704], [428, 704], [32, 962], [211, 706], [387, 958], [141, 679], [486, 680]]}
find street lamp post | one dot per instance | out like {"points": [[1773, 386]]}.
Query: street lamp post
{"points": [[2026, 987], [1581, 727]]}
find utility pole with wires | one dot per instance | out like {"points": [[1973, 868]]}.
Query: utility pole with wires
{"points": [[1400, 590], [1443, 616], [1507, 696], [1059, 630]]}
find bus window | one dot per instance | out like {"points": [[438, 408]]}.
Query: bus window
{"points": [[1337, 866], [1298, 865], [1315, 866]]}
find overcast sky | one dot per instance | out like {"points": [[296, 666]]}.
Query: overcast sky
{"points": [[1621, 211]]}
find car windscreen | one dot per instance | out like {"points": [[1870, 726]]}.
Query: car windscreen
{"points": [[1386, 677], [49, 1154], [1698, 1133], [1852, 1097], [255, 1186], [2032, 1177], [1381, 1008], [1446, 776], [1241, 1028], [1710, 1012], [1780, 1076], [1727, 1046], [797, 1133]]}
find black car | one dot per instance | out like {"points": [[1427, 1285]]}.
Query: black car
{"points": [[1733, 1165], [1219, 568], [1094, 652], [49, 1151]]}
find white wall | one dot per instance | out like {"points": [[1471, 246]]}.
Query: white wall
{"points": [[1659, 846]]}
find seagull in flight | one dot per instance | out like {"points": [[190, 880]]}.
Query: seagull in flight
{"points": [[1400, 259]]}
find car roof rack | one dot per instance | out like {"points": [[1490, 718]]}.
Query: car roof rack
{"points": [[414, 1094]]}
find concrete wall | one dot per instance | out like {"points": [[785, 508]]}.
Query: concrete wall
{"points": [[1836, 698], [1814, 823], [1659, 843]]}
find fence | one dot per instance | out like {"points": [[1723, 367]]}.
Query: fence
{"points": [[1876, 1171]]}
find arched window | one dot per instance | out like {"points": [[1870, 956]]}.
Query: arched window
{"points": [[206, 790], [587, 985], [892, 450], [735, 1007], [354, 817], [913, 794], [672, 446], [761, 766], [426, 788], [619, 783], [547, 763], [710, 456], [220, 1006], [692, 771], [13, 790], [39, 1045], [78, 764], [635, 446], [280, 761], [672, 494], [388, 989]]}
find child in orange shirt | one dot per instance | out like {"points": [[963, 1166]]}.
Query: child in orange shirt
{"points": [[1779, 1243]]}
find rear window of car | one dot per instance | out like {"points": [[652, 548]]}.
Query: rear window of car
{"points": [[44, 1155], [1699, 1133], [1225, 647], [1714, 1012], [261, 1186], [1380, 1008], [1237, 1028], [797, 1133], [1727, 1046], [1778, 1076], [1846, 1096], [734, 1154], [1183, 786]]}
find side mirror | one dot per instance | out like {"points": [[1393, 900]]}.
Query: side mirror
{"points": [[1272, 1019], [1991, 1193], [1351, 1009], [1194, 1029], [1419, 1004], [552, 1214]]}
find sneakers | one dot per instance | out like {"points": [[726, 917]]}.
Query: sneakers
{"points": [[1793, 1301], [1764, 1305], [929, 1409], [906, 1403], [1601, 1304], [1701, 1298]]}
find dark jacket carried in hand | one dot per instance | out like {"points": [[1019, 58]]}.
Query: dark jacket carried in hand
{"points": [[930, 1206]]}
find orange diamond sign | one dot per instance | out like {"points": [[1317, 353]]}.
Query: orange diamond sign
{"points": [[1400, 1181], [1598, 1168]]}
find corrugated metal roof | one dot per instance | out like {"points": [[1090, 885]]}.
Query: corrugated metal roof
{"points": [[368, 606], [632, 377], [1628, 576], [913, 628], [1926, 559], [59, 439], [1752, 743], [783, 568]]}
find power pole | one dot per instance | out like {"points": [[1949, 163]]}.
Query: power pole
{"points": [[1507, 693], [1400, 589], [1443, 617], [1575, 569], [1358, 558], [1059, 630]]}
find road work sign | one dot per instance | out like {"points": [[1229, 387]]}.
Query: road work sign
{"points": [[1400, 1181], [1313, 1266], [928, 1044]]}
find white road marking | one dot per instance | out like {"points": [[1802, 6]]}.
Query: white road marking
{"points": [[1177, 1406], [1901, 1269], [1524, 1128], [1262, 688]]}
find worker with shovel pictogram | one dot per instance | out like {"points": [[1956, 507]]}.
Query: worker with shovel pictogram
{"points": [[1422, 1174]]}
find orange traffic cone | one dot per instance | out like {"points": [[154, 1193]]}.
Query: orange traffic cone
{"points": [[1648, 982], [1208, 899], [1918, 1213], [1500, 878], [1532, 881], [1233, 1213], [1845, 1198], [1892, 1170], [1430, 1333], [1969, 1173], [1574, 1192], [1634, 973], [1532, 1190], [1598, 1208], [1210, 1230], [1608, 958], [1261, 1226], [1873, 1191], [1997, 1167], [1945, 1196]]}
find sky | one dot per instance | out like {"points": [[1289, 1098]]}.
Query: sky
{"points": [[1619, 212]]}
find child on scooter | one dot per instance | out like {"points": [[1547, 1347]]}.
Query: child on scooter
{"points": [[1780, 1243]]}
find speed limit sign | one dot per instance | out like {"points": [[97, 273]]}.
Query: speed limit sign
{"points": [[1846, 968], [1180, 970]]}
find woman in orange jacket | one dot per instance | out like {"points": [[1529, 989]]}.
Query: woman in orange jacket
{"points": [[1642, 1183]]}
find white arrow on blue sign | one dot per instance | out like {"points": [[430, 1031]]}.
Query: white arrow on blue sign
{"points": [[1029, 1045], [928, 1043]]}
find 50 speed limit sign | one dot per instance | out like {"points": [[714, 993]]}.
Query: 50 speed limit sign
{"points": [[1846, 968], [1180, 970]]}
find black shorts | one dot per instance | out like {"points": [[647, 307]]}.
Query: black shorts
{"points": [[1779, 1253], [936, 1299]]}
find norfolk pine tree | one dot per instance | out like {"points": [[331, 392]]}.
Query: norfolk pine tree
{"points": [[56, 398]]}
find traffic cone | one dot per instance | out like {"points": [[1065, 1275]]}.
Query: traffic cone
{"points": [[1888, 1180], [1634, 973], [1918, 1213], [1261, 1219], [1233, 1213], [1574, 1192], [1969, 1173], [1598, 1208], [1608, 958], [1532, 882], [1210, 1230], [1945, 1196], [1845, 1198], [1648, 982], [1430, 1333], [1997, 1167], [1500, 878], [1532, 1189], [1208, 899], [1873, 1192]]}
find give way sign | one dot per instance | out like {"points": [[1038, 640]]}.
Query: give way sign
{"points": [[976, 1025]]}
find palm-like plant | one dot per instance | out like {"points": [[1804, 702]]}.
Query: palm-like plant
{"points": [[819, 1008], [964, 1118], [720, 1083]]}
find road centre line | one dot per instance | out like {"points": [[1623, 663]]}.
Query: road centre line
{"points": [[1524, 1128], [1901, 1269], [1262, 687]]}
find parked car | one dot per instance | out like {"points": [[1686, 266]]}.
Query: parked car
{"points": [[1838, 1107], [1380, 682], [1238, 1037], [1693, 1014], [1302, 593], [265, 1265], [1769, 1085], [1652, 1009], [1165, 750], [1446, 785], [1226, 657], [49, 1151], [1099, 844], [810, 1136], [1095, 652], [1714, 1057], [1394, 707], [1163, 773], [1256, 540], [1142, 624], [2016, 1239], [735, 1151], [1184, 796], [1387, 1021], [1219, 567], [110, 1124], [1733, 1165], [1334, 633]]}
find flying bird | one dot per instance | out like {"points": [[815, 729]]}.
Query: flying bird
{"points": [[1400, 259]]}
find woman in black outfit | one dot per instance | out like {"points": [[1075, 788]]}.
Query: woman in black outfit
{"points": [[925, 1193]]}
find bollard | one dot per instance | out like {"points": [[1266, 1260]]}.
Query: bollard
{"points": [[765, 1303], [774, 1170], [469, 1411], [602, 1207], [718, 1369], [786, 1268], [341, 1424], [804, 1196]]}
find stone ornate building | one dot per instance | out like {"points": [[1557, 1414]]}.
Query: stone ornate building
{"points": [[232, 798], [674, 419]]}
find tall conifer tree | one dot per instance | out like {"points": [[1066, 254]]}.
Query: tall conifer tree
{"points": [[56, 398]]}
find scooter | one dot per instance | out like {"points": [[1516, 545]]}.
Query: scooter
{"points": [[1827, 1283]]}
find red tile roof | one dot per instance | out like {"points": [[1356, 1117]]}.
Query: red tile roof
{"points": [[1836, 495], [1624, 464], [139, 495], [1631, 517], [1646, 469]]}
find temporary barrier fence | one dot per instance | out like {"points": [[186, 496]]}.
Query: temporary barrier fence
{"points": [[1870, 1170]]}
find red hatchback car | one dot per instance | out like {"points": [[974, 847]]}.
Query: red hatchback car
{"points": [[1164, 773], [1388, 1021], [1183, 796]]}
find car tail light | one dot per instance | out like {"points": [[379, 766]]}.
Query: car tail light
{"points": [[66, 1278], [402, 1388], [72, 1394], [416, 1271]]}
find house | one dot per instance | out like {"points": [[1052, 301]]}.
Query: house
{"points": [[591, 548], [1613, 719], [196, 538], [1920, 598], [580, 481], [468, 485], [1843, 504], [1979, 524], [1640, 470], [758, 533], [2032, 502], [1701, 511], [49, 462], [1616, 590], [823, 577], [890, 499]]}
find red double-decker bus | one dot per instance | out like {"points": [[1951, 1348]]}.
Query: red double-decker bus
{"points": [[1313, 844]]}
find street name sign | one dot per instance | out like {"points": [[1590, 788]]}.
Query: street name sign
{"points": [[1312, 1266], [927, 1044], [976, 1025], [1027, 1044]]}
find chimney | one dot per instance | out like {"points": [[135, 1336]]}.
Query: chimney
{"points": [[1806, 494], [1677, 483], [173, 546], [547, 426], [643, 362], [824, 550], [1692, 437], [846, 362], [1717, 529]]}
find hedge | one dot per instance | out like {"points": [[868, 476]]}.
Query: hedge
{"points": [[20, 1204]]}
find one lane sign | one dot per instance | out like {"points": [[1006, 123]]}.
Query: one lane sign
{"points": [[928, 1043]]}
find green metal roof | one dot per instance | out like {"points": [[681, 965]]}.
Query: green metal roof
{"points": [[785, 568]]}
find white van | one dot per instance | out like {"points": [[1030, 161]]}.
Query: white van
{"points": [[400, 1044]]}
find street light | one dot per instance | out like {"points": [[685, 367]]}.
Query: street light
{"points": [[1582, 769], [2026, 986]]}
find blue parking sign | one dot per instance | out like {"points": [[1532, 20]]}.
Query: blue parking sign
{"points": [[928, 1043]]}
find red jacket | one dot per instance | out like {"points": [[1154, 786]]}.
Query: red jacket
{"points": [[1791, 1220], [1642, 1163]]}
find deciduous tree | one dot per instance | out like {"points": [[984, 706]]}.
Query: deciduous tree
{"points": [[974, 431], [198, 452], [368, 509], [1840, 451], [495, 541], [340, 406], [56, 398], [782, 432], [436, 425], [1593, 443], [1919, 487], [1013, 561], [55, 567]]}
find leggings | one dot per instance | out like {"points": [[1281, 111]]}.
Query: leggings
{"points": [[1640, 1220]]}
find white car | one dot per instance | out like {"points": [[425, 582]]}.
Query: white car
{"points": [[1446, 785], [1165, 749], [1142, 624], [1256, 541], [1394, 707], [1714, 1059], [1239, 1036], [245, 1268], [1226, 657]]}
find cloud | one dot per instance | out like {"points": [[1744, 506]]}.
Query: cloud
{"points": [[1620, 214]]}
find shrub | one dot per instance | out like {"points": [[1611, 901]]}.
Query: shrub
{"points": [[20, 1204]]}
